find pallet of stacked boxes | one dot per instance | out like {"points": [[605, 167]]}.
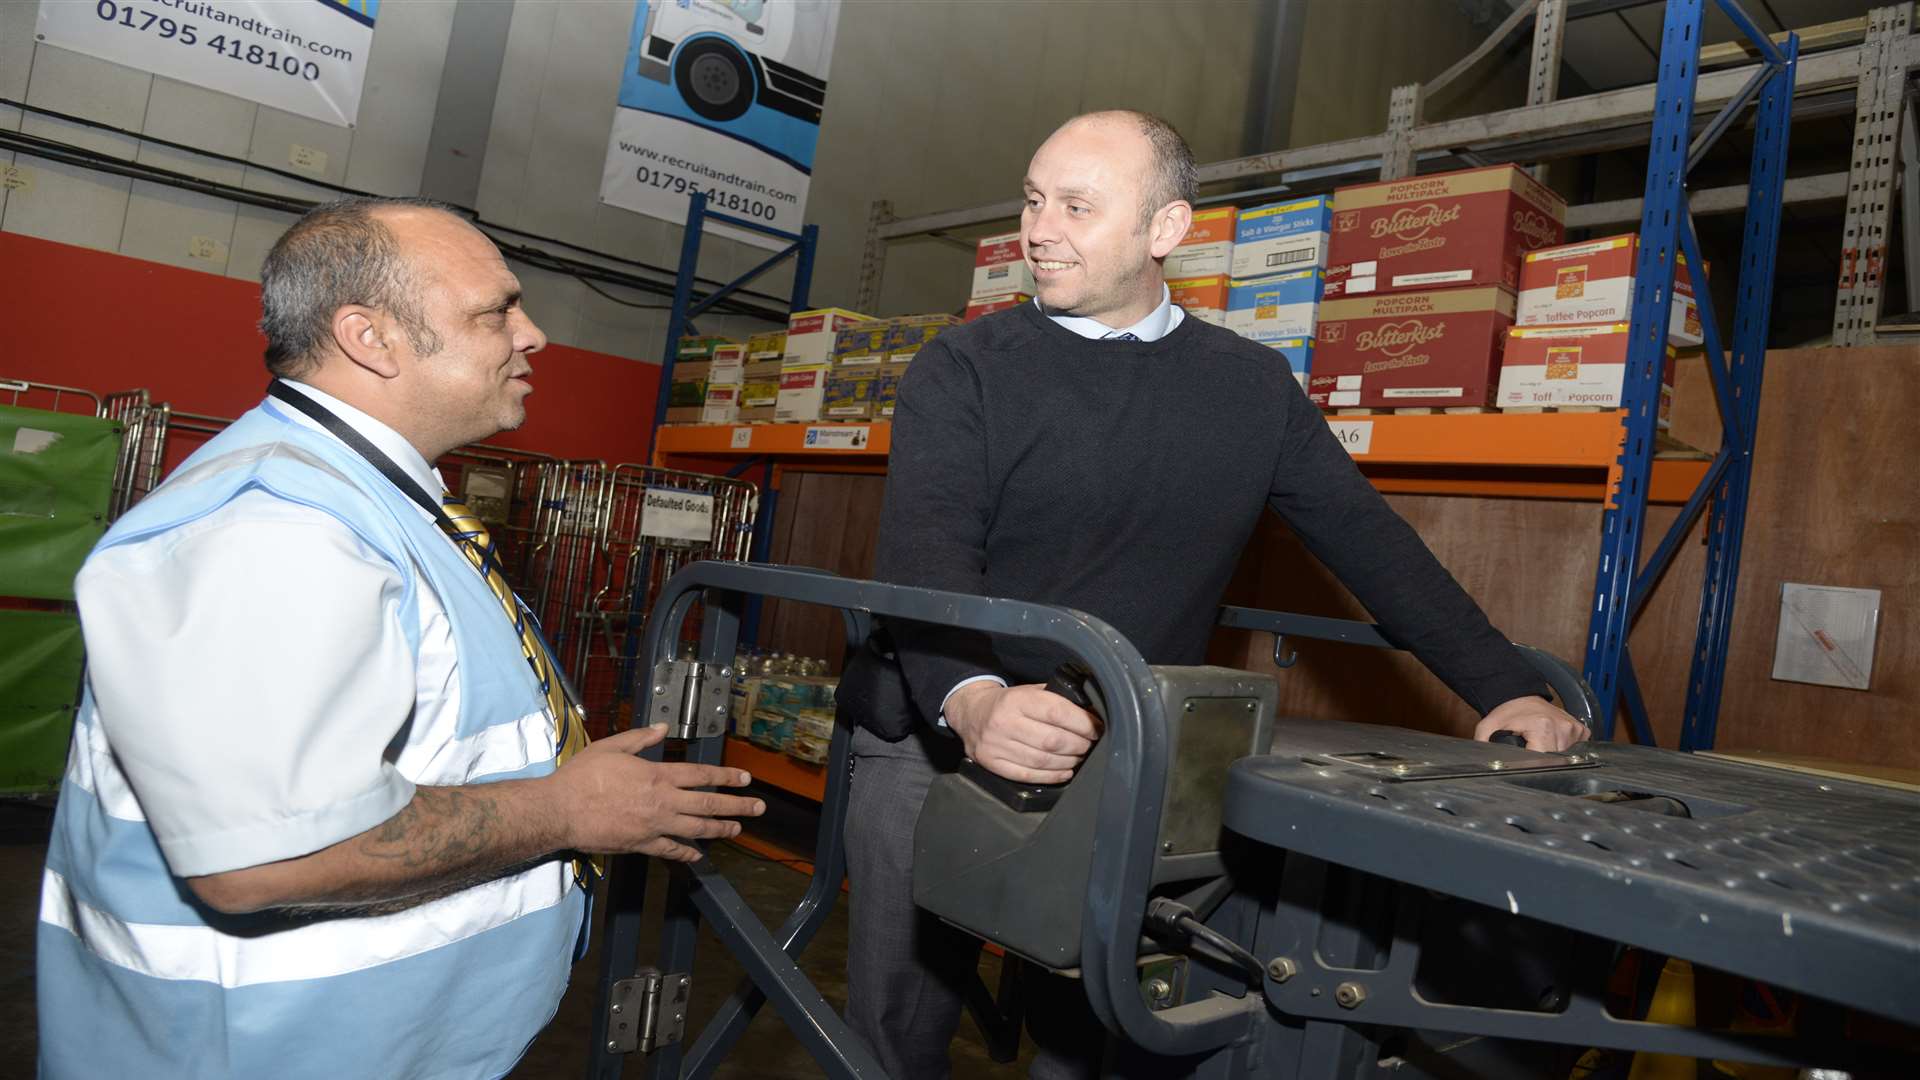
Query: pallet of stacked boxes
{"points": [[1420, 287], [811, 339], [1204, 298], [1567, 350], [1279, 257], [687, 392]]}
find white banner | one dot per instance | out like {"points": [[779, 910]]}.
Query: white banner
{"points": [[669, 514], [721, 97], [305, 56]]}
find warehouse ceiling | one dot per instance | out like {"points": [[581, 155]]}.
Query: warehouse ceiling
{"points": [[1614, 43]]}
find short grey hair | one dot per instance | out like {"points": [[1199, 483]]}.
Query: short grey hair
{"points": [[1175, 176], [338, 253]]}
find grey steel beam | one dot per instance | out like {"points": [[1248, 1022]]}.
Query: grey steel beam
{"points": [[1403, 113], [1831, 187], [873, 257], [1493, 41]]}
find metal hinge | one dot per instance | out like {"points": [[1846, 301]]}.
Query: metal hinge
{"points": [[690, 698], [647, 1011]]}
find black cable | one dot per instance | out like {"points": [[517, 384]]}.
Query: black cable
{"points": [[624, 303], [1169, 917], [302, 205]]}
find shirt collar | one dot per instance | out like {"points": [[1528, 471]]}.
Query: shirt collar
{"points": [[1158, 323], [387, 440]]}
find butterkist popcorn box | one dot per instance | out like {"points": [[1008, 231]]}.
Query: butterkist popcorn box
{"points": [[1000, 267], [1592, 283], [802, 391], [1207, 249], [1204, 298], [1452, 229], [811, 334], [1298, 353], [862, 344], [1282, 238], [1437, 349], [1274, 308], [1558, 366], [992, 304]]}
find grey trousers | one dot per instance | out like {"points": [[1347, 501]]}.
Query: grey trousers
{"points": [[907, 971]]}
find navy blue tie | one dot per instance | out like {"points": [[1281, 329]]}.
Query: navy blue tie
{"points": [[1124, 335]]}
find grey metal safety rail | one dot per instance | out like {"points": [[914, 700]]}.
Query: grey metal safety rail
{"points": [[1135, 728]]}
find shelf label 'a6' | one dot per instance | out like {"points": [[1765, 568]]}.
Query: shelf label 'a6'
{"points": [[1355, 435]]}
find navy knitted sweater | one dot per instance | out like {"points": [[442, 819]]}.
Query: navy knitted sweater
{"points": [[1123, 478]]}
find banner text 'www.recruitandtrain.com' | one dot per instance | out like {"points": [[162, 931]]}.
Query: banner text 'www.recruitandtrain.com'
{"points": [[223, 34], [678, 182]]}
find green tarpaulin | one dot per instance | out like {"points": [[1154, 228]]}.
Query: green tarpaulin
{"points": [[56, 477], [40, 658]]}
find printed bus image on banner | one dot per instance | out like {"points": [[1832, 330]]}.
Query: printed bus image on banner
{"points": [[721, 97], [308, 58]]}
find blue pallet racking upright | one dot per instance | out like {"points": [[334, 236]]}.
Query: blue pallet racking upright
{"points": [[1621, 584]]}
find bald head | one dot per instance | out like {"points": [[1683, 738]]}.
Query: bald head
{"points": [[1170, 174], [338, 254]]}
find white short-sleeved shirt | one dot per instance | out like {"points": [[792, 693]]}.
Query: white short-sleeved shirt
{"points": [[253, 677]]}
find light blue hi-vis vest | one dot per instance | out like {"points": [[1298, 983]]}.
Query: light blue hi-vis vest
{"points": [[137, 979]]}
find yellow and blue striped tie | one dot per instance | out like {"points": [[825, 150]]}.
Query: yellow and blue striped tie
{"points": [[570, 723]]}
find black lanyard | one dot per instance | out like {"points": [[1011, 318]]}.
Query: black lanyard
{"points": [[361, 445]]}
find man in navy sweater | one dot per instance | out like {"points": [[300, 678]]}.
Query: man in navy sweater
{"points": [[1100, 450]]}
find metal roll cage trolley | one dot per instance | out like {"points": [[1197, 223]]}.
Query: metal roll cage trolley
{"points": [[1368, 898]]}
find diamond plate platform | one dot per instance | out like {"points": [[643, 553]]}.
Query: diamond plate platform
{"points": [[1802, 882]]}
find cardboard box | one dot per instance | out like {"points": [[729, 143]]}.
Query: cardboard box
{"points": [[1453, 229], [907, 333], [1592, 284], [992, 304], [1552, 366], [849, 393], [699, 348], [1204, 298], [759, 387], [729, 366], [1274, 308], [689, 386], [1207, 249], [771, 341], [1282, 238], [811, 334], [723, 405], [1000, 267], [862, 344], [1298, 353], [886, 390], [1409, 350], [803, 390]]}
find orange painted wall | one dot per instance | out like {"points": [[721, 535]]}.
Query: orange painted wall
{"points": [[104, 322]]}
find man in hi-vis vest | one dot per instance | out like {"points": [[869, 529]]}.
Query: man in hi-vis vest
{"points": [[329, 800]]}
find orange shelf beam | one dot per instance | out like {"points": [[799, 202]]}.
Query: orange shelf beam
{"points": [[776, 769], [1513, 455]]}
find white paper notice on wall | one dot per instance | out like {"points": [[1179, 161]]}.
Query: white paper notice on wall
{"points": [[672, 514], [1355, 435], [309, 59], [1826, 635]]}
